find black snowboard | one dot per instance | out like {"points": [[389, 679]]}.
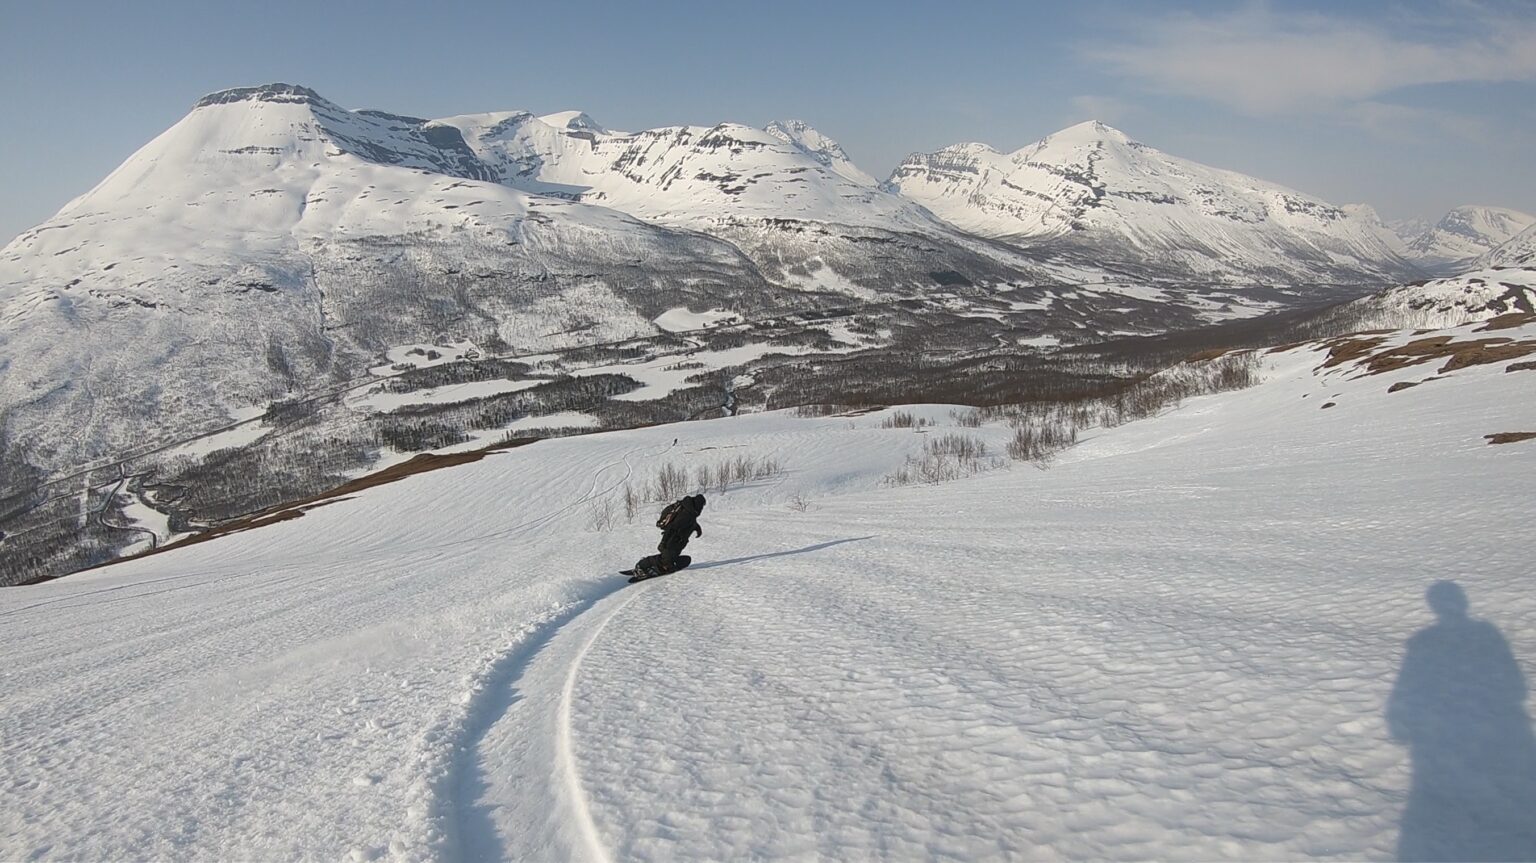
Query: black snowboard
{"points": [[650, 567]]}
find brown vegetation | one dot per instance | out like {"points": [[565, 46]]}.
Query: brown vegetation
{"points": [[1507, 322], [1509, 437], [1457, 355]]}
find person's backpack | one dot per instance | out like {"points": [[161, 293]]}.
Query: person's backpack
{"points": [[670, 514]]}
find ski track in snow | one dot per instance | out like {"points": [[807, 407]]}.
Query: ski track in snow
{"points": [[592, 840], [1177, 643], [477, 837]]}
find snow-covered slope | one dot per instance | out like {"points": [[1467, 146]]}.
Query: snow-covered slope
{"points": [[1092, 190], [1518, 251], [1198, 636], [1478, 295], [1466, 234]]}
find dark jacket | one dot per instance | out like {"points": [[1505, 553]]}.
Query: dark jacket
{"points": [[687, 519]]}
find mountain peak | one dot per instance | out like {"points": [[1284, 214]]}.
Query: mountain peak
{"points": [[806, 138], [572, 120], [1090, 131], [1465, 233], [278, 92], [1090, 187]]}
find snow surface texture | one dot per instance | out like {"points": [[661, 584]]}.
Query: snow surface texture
{"points": [[1092, 186], [1199, 636]]}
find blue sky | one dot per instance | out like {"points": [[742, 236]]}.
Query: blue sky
{"points": [[1413, 107]]}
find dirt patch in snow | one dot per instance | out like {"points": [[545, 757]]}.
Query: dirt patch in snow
{"points": [[1344, 350], [1508, 322], [1457, 355], [1509, 437]]}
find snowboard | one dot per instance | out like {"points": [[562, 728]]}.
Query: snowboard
{"points": [[646, 568]]}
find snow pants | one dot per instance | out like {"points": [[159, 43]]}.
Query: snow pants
{"points": [[671, 545]]}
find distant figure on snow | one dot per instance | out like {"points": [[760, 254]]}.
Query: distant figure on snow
{"points": [[677, 521]]}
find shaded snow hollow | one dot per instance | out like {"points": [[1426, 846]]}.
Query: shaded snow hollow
{"points": [[1198, 636]]}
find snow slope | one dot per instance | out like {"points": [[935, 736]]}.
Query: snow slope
{"points": [[1179, 642], [1092, 188], [1477, 295], [1518, 251]]}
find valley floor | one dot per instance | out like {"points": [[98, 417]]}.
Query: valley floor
{"points": [[1187, 639]]}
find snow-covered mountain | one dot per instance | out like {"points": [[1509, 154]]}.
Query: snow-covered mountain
{"points": [[687, 176], [286, 244], [1408, 230], [1092, 191], [1518, 251], [1465, 234], [272, 241], [786, 195]]}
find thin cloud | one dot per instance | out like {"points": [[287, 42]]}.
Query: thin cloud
{"points": [[1104, 108], [1384, 118], [1263, 62]]}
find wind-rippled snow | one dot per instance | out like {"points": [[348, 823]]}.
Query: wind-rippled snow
{"points": [[1179, 642]]}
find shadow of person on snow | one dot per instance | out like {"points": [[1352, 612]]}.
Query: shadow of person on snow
{"points": [[1459, 706], [810, 548]]}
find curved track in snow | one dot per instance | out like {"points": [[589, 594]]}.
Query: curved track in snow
{"points": [[530, 740]]}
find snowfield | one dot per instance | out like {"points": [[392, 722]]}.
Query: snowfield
{"points": [[1183, 640]]}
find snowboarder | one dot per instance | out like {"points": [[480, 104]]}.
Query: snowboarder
{"points": [[676, 521]]}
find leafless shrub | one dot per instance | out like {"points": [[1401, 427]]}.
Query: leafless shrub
{"points": [[1045, 428], [813, 411], [961, 446], [1038, 439], [904, 420], [798, 503], [944, 458], [966, 419], [670, 483], [632, 502], [600, 514]]}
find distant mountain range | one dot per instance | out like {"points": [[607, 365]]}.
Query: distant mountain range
{"points": [[1465, 234], [272, 242], [278, 294], [1092, 193]]}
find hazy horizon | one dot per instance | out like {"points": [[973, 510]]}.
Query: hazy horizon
{"points": [[1412, 108]]}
